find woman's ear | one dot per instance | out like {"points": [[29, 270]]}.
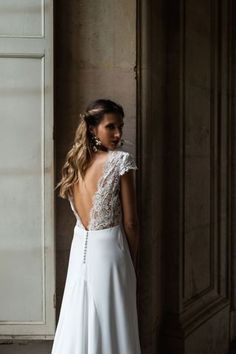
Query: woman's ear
{"points": [[91, 129]]}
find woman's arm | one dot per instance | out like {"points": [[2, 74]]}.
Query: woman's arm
{"points": [[130, 217]]}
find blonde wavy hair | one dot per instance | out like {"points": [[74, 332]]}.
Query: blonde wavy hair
{"points": [[79, 156]]}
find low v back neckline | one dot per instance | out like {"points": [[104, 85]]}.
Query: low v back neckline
{"points": [[99, 182]]}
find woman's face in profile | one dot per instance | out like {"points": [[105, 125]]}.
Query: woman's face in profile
{"points": [[109, 130]]}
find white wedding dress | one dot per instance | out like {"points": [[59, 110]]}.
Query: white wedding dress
{"points": [[98, 313]]}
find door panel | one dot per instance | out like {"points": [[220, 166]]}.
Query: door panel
{"points": [[27, 272]]}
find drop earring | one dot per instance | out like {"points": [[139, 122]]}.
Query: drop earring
{"points": [[122, 142], [96, 143]]}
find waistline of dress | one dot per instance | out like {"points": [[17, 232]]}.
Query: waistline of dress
{"points": [[84, 232]]}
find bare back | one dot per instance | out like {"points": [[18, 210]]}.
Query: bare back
{"points": [[85, 189]]}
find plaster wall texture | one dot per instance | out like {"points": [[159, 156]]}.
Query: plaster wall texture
{"points": [[95, 56]]}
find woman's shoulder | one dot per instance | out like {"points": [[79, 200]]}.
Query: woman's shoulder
{"points": [[125, 161], [123, 153]]}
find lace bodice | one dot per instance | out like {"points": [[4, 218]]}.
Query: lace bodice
{"points": [[106, 205]]}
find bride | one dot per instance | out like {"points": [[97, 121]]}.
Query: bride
{"points": [[98, 314]]}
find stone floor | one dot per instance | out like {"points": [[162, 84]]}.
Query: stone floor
{"points": [[24, 347]]}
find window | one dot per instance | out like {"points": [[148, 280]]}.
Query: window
{"points": [[27, 266]]}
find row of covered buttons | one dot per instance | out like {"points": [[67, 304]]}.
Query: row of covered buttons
{"points": [[85, 246]]}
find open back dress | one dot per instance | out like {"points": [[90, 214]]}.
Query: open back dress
{"points": [[98, 313]]}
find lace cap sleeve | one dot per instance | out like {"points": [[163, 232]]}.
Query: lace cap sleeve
{"points": [[127, 163]]}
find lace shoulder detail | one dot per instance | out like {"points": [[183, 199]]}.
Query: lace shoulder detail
{"points": [[127, 162]]}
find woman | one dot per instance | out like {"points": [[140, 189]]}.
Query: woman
{"points": [[98, 312]]}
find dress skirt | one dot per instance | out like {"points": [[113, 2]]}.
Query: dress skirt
{"points": [[98, 312]]}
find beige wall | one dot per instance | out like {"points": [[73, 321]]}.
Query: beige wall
{"points": [[95, 54]]}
